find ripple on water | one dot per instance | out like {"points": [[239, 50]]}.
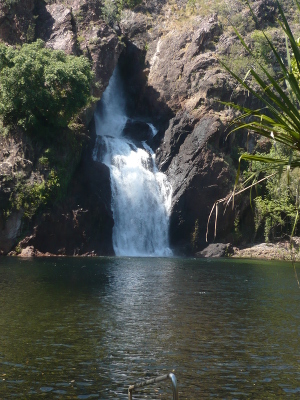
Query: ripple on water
{"points": [[229, 329]]}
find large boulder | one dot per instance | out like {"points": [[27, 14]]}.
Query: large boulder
{"points": [[216, 250]]}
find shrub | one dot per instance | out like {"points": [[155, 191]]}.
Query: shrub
{"points": [[276, 201], [40, 87], [278, 120], [112, 10]]}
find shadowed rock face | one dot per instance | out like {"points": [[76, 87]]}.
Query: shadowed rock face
{"points": [[137, 130], [15, 21], [83, 224], [198, 175]]}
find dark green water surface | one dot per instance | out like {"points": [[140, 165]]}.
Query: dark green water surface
{"points": [[83, 328]]}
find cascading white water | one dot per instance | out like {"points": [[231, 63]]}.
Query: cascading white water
{"points": [[141, 195]]}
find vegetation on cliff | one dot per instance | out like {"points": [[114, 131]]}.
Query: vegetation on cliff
{"points": [[278, 119], [40, 87], [112, 9], [41, 92]]}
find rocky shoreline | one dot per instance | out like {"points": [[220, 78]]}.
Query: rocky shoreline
{"points": [[282, 250], [270, 251]]}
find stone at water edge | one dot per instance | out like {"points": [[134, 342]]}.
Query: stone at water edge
{"points": [[216, 250]]}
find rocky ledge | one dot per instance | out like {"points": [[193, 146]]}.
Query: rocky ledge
{"points": [[270, 251], [283, 250]]}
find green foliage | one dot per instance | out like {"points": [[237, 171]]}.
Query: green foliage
{"points": [[42, 91], [30, 34], [237, 233], [191, 4], [261, 49], [278, 120], [239, 61], [276, 201], [30, 197], [112, 9], [40, 87], [56, 166]]}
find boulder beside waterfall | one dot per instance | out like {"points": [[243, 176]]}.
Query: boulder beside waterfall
{"points": [[137, 130], [216, 250]]}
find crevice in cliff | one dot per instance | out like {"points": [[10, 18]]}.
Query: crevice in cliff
{"points": [[143, 100]]}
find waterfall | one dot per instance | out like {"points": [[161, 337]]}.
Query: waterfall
{"points": [[141, 195]]}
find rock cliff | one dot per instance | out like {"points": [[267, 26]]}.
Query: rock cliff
{"points": [[168, 52], [82, 223]]}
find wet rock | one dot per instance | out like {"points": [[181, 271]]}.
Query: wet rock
{"points": [[28, 252], [216, 250], [9, 230], [137, 130], [198, 175]]}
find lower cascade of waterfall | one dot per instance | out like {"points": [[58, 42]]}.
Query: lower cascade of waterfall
{"points": [[141, 195]]}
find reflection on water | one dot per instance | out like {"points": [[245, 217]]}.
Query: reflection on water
{"points": [[87, 328]]}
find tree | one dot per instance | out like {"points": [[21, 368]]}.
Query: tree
{"points": [[40, 87]]}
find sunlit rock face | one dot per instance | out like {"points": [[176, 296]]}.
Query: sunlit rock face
{"points": [[77, 27], [55, 25], [182, 87]]}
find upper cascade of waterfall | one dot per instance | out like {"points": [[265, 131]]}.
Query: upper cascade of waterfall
{"points": [[141, 195], [110, 117]]}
